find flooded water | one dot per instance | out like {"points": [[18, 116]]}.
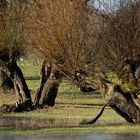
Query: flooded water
{"points": [[90, 136], [13, 123]]}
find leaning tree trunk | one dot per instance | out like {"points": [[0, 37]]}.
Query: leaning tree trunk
{"points": [[50, 89], [122, 102], [44, 74], [24, 102]]}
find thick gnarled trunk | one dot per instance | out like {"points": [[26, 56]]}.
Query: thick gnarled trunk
{"points": [[122, 102], [44, 76], [82, 84], [50, 89], [24, 102]]}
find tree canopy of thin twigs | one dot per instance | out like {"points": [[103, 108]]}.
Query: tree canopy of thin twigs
{"points": [[120, 37], [61, 32], [12, 37]]}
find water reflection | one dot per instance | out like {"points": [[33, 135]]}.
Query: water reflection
{"points": [[13, 123], [90, 136], [28, 123]]}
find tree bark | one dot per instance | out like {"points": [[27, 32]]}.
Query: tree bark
{"points": [[50, 89], [24, 102], [129, 71], [82, 84], [5, 81], [122, 102], [44, 74]]}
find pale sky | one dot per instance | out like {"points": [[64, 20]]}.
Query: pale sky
{"points": [[108, 5]]}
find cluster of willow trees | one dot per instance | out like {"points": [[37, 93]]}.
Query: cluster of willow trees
{"points": [[83, 41]]}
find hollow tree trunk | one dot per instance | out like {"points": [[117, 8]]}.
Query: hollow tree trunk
{"points": [[122, 102], [50, 89], [44, 74], [24, 102]]}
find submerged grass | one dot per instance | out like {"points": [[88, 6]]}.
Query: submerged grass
{"points": [[121, 129]]}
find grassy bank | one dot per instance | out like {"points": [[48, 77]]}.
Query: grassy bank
{"points": [[70, 110], [72, 107]]}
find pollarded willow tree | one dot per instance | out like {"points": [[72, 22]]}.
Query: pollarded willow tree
{"points": [[5, 81], [60, 35], [119, 49], [57, 31], [60, 32], [12, 46]]}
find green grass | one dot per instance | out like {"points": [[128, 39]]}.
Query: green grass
{"points": [[31, 73], [128, 129], [71, 108], [29, 70], [120, 129], [67, 119], [33, 84]]}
